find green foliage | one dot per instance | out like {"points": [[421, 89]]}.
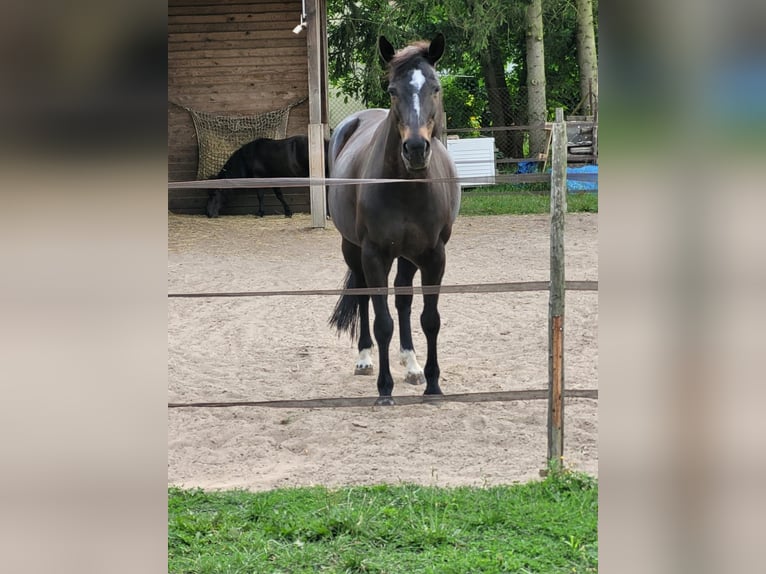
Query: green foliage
{"points": [[472, 29], [545, 526], [465, 101]]}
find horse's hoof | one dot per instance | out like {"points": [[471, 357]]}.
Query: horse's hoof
{"points": [[288, 214], [415, 379], [432, 399], [385, 402], [366, 370]]}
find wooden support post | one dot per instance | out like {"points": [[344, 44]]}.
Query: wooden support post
{"points": [[316, 96], [316, 169], [557, 294]]}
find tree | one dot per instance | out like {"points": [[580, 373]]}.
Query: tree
{"points": [[498, 72], [586, 55], [493, 64], [536, 102]]}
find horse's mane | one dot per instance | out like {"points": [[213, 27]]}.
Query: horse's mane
{"points": [[404, 57]]}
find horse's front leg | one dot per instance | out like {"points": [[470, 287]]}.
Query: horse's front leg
{"points": [[376, 267], [404, 274], [214, 202], [432, 272]]}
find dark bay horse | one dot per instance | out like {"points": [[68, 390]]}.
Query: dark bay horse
{"points": [[406, 222], [263, 157]]}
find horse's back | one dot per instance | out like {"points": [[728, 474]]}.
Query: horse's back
{"points": [[283, 158], [266, 157], [350, 140]]}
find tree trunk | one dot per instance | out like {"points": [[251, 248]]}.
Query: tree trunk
{"points": [[586, 56], [493, 69], [536, 102]]}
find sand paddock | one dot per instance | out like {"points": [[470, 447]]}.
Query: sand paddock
{"points": [[268, 348]]}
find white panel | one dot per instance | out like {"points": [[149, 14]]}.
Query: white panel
{"points": [[474, 157]]}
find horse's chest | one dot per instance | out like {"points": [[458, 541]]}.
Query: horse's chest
{"points": [[401, 234]]}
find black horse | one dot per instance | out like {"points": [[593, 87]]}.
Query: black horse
{"points": [[405, 222], [263, 157]]}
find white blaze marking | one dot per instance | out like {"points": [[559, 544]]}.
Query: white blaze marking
{"points": [[417, 81]]}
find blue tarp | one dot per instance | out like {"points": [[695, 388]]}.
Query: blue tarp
{"points": [[583, 178]]}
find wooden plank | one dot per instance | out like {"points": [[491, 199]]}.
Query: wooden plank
{"points": [[192, 43], [246, 8], [192, 48], [269, 58], [244, 202], [265, 22], [201, 51], [228, 17], [259, 91], [188, 82], [204, 72], [367, 402], [234, 101], [557, 294], [228, 55], [221, 32], [226, 3]]}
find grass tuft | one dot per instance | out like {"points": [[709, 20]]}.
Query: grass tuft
{"points": [[520, 199], [543, 526]]}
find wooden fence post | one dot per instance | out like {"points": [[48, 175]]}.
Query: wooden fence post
{"points": [[316, 127], [557, 294]]}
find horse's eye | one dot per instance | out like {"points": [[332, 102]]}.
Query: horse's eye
{"points": [[392, 92], [437, 89]]}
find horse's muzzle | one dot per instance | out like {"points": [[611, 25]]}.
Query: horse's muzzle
{"points": [[416, 152]]}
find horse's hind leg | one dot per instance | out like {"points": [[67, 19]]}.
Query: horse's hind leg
{"points": [[281, 198], [260, 192], [404, 274], [353, 256], [364, 364], [432, 272]]}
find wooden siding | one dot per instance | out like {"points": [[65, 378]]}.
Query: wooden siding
{"points": [[235, 57]]}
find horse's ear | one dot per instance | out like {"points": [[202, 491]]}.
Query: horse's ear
{"points": [[386, 49], [436, 49]]}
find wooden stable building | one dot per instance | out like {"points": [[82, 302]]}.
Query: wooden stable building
{"points": [[244, 58]]}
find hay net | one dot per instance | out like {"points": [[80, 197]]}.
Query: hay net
{"points": [[220, 136]]}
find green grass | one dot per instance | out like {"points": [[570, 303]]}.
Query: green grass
{"points": [[517, 200], [544, 526]]}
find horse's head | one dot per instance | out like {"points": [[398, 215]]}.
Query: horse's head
{"points": [[415, 93]]}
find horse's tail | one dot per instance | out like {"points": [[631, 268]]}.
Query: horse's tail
{"points": [[345, 316]]}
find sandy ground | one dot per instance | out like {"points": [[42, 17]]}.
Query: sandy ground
{"points": [[267, 348]]}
